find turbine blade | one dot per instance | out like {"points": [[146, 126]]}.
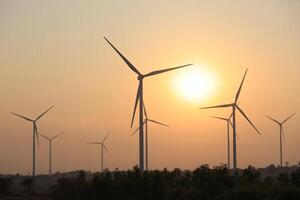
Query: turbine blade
{"points": [[165, 70], [272, 119], [242, 112], [123, 57], [283, 137], [36, 134], [137, 98], [240, 88], [288, 118], [156, 122], [138, 128], [106, 149], [44, 136], [219, 106], [238, 137], [221, 118], [106, 136], [230, 116], [231, 124], [57, 135], [145, 110], [22, 116], [41, 115]]}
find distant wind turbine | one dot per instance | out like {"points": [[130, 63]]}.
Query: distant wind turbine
{"points": [[235, 106], [281, 133], [139, 98], [34, 134], [229, 123], [103, 147], [50, 149], [146, 126]]}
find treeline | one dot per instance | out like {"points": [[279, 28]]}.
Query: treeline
{"points": [[203, 183]]}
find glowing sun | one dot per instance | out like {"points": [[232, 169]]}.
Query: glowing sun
{"points": [[195, 85]]}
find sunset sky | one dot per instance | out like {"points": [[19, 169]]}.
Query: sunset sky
{"points": [[53, 53]]}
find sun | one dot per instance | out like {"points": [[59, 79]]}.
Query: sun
{"points": [[195, 84]]}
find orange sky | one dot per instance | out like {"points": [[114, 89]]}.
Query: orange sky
{"points": [[53, 52]]}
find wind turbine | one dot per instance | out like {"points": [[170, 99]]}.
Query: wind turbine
{"points": [[228, 123], [103, 147], [50, 149], [34, 134], [139, 98], [281, 133], [146, 126], [235, 106]]}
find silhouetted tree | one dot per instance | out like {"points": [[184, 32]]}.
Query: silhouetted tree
{"points": [[284, 177], [28, 183], [296, 177], [5, 184], [250, 176], [204, 183]]}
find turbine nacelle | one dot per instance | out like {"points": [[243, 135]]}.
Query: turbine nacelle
{"points": [[235, 104], [35, 129], [140, 75], [146, 120], [102, 142], [280, 123], [52, 138]]}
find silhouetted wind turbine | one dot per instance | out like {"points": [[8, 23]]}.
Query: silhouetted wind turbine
{"points": [[146, 125], [234, 107], [281, 133], [50, 149], [34, 134], [102, 145], [228, 122], [139, 98]]}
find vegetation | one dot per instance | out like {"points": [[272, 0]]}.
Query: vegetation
{"points": [[5, 184], [203, 183], [28, 183]]}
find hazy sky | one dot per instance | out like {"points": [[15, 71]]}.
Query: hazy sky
{"points": [[53, 52]]}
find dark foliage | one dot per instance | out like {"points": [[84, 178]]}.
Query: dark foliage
{"points": [[28, 183], [5, 184], [203, 183]]}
